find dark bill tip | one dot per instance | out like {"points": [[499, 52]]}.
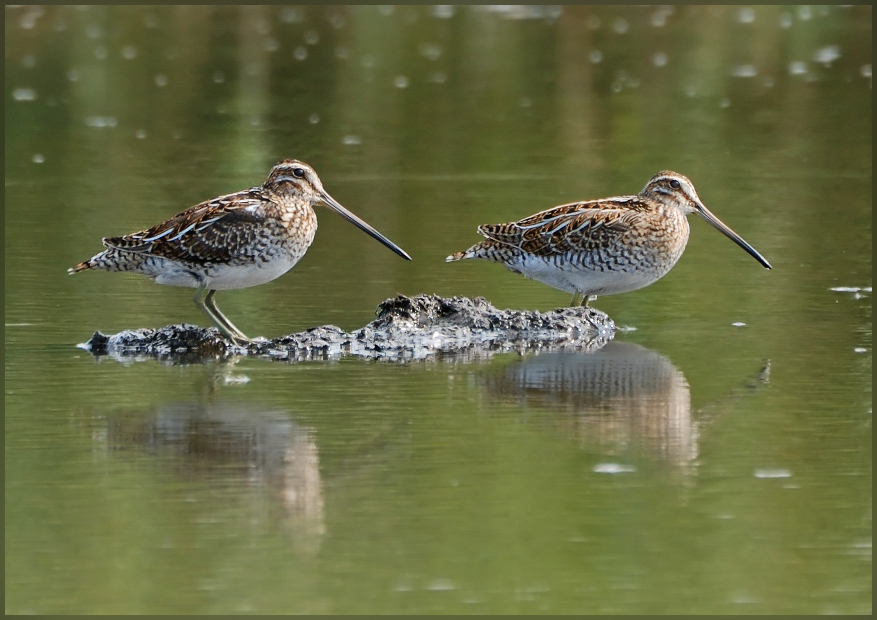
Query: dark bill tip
{"points": [[362, 225], [730, 234]]}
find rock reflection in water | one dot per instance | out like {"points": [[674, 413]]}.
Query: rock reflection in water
{"points": [[234, 443], [623, 397]]}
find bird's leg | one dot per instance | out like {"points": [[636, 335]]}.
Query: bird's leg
{"points": [[210, 303], [580, 299], [208, 307]]}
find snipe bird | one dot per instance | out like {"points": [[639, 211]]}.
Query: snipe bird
{"points": [[235, 241], [602, 247]]}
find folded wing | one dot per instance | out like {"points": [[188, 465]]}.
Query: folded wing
{"points": [[201, 234], [578, 227]]}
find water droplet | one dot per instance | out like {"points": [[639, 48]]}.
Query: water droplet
{"points": [[595, 56], [441, 585], [744, 71], [691, 91], [29, 61], [150, 21], [746, 15], [312, 37], [827, 55], [341, 52], [431, 50], [865, 71], [660, 59], [337, 20], [93, 31], [620, 26], [725, 103], [291, 16], [526, 102], [798, 68], [218, 77], [860, 350], [368, 61], [161, 80], [386, 10], [38, 158], [438, 77], [271, 44], [100, 52], [804, 13], [351, 140], [400, 81], [739, 324], [129, 52], [300, 53], [613, 468], [28, 21], [314, 118], [786, 20], [443, 11], [100, 121], [24, 94], [73, 75], [772, 473], [140, 134]]}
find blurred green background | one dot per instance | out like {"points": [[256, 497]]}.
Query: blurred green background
{"points": [[692, 466]]}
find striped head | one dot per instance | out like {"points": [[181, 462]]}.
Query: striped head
{"points": [[674, 190], [295, 179]]}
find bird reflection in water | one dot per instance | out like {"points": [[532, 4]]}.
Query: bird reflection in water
{"points": [[622, 398], [238, 445]]}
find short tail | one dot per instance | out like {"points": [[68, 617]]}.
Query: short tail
{"points": [[80, 267], [455, 257]]}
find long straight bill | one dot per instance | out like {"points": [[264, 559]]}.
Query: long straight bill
{"points": [[361, 224], [730, 234]]}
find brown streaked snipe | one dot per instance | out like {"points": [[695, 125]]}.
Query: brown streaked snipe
{"points": [[602, 247], [235, 241]]}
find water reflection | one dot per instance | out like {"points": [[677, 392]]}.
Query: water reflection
{"points": [[621, 398], [237, 444]]}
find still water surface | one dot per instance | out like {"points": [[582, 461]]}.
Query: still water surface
{"points": [[715, 459]]}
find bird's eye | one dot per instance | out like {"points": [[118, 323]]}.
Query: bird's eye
{"points": [[299, 172], [674, 184]]}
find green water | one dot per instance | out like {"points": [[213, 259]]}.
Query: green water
{"points": [[691, 466]]}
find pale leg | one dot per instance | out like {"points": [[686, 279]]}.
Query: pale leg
{"points": [[208, 307], [580, 299]]}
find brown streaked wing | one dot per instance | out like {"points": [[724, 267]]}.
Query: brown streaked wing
{"points": [[578, 227], [208, 232]]}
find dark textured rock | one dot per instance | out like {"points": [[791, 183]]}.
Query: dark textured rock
{"points": [[406, 328]]}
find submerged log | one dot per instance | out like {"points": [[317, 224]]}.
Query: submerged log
{"points": [[406, 328]]}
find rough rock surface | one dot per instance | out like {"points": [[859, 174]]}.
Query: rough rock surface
{"points": [[406, 328]]}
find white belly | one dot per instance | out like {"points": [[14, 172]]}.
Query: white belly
{"points": [[577, 278], [224, 277]]}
